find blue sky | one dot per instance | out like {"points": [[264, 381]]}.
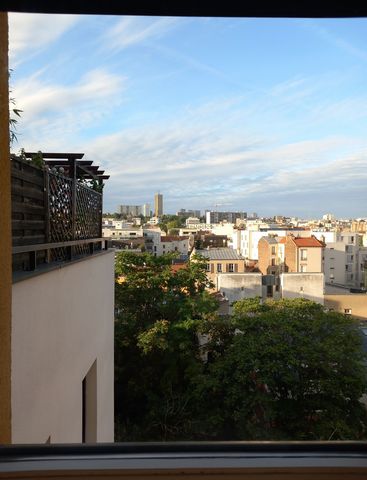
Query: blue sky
{"points": [[265, 115]]}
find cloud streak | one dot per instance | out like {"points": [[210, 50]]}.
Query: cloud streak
{"points": [[54, 112], [29, 34], [131, 31]]}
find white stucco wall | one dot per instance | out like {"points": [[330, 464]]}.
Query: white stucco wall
{"points": [[62, 322], [237, 286], [303, 285]]}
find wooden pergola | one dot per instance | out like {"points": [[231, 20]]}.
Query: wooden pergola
{"points": [[73, 164]]}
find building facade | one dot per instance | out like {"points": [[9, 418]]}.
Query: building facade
{"points": [[158, 205], [346, 261], [303, 254], [62, 317], [221, 260], [271, 255], [230, 217]]}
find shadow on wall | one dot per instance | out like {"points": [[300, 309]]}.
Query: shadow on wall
{"points": [[309, 286], [240, 286]]}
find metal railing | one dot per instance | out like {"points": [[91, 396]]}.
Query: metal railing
{"points": [[55, 218]]}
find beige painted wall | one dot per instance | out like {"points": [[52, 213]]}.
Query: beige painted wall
{"points": [[237, 286], [63, 322], [238, 265], [314, 259], [303, 285], [357, 302]]}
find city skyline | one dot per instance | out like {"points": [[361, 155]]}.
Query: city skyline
{"points": [[263, 115]]}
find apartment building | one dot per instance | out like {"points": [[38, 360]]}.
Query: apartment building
{"points": [[129, 210], [192, 221], [188, 213], [158, 244], [303, 254], [221, 260], [173, 244], [230, 217], [134, 210], [114, 233], [158, 205], [62, 317], [271, 255], [346, 261], [246, 241], [209, 240]]}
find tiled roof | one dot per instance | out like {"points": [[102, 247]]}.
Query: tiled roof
{"points": [[307, 242], [178, 266], [224, 253], [270, 240]]}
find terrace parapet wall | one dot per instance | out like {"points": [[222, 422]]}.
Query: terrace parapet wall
{"points": [[56, 210]]}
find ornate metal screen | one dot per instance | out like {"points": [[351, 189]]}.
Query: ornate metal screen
{"points": [[63, 223], [60, 190], [88, 216]]}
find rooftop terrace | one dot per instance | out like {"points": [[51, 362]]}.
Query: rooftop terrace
{"points": [[56, 210]]}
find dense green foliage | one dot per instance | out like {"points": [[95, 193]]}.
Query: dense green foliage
{"points": [[286, 370], [157, 353], [278, 370]]}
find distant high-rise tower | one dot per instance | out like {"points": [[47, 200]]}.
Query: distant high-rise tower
{"points": [[158, 204]]}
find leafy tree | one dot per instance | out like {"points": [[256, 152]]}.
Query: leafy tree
{"points": [[157, 352], [14, 115], [283, 370]]}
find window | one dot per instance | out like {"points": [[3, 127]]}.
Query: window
{"points": [[303, 254], [219, 267], [303, 269], [347, 311], [89, 405], [273, 262]]}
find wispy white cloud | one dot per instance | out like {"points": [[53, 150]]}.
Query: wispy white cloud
{"points": [[31, 33], [55, 112], [201, 154], [200, 164], [129, 31], [334, 39]]}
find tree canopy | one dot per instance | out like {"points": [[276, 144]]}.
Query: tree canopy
{"points": [[286, 370], [157, 351], [272, 370]]}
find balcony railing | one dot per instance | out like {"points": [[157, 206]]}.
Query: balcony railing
{"points": [[56, 209]]}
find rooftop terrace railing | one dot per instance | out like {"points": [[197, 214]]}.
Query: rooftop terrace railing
{"points": [[56, 210]]}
